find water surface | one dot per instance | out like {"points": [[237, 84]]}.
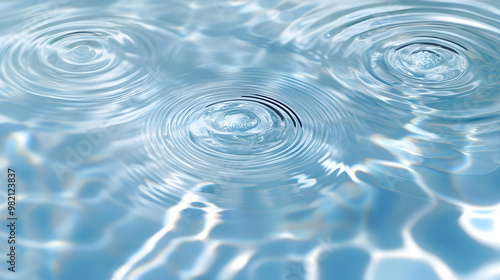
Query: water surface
{"points": [[234, 139]]}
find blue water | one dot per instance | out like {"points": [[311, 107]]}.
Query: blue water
{"points": [[239, 139]]}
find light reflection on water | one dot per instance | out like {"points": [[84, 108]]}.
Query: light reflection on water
{"points": [[252, 139]]}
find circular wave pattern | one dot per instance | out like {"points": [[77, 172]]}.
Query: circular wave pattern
{"points": [[433, 68], [427, 62], [250, 130], [406, 53], [247, 125], [437, 63], [85, 61]]}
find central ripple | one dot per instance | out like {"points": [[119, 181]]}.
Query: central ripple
{"points": [[238, 120], [428, 62], [233, 125], [425, 59], [81, 54]]}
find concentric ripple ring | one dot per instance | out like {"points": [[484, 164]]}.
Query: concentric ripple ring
{"points": [[253, 130], [431, 69], [85, 63]]}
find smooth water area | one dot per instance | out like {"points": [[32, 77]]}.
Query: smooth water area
{"points": [[239, 139]]}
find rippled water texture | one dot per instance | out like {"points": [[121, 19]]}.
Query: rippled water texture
{"points": [[235, 139]]}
